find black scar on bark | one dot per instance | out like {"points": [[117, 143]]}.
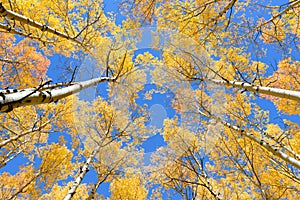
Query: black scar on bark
{"points": [[50, 96], [44, 97], [261, 142], [2, 95]]}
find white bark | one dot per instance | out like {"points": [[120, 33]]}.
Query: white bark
{"points": [[277, 92], [83, 171], [10, 29], [25, 20], [4, 162], [9, 101], [274, 150]]}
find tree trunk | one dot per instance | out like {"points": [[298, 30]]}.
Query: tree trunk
{"points": [[277, 92], [275, 151], [9, 101], [84, 169], [25, 20]]}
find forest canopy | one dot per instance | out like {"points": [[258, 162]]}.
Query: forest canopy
{"points": [[149, 99]]}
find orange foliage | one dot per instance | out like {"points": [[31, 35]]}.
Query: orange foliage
{"points": [[22, 65], [286, 77]]}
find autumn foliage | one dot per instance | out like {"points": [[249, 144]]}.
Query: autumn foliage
{"points": [[229, 71]]}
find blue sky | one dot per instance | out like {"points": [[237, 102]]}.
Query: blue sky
{"points": [[159, 106]]}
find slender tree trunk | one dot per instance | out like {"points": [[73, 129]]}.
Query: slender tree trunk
{"points": [[277, 92], [95, 188], [25, 20], [4, 162], [274, 150], [12, 30], [84, 169], [9, 101], [99, 182]]}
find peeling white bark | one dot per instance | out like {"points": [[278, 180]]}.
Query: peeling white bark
{"points": [[274, 150], [277, 92], [32, 96], [25, 20]]}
